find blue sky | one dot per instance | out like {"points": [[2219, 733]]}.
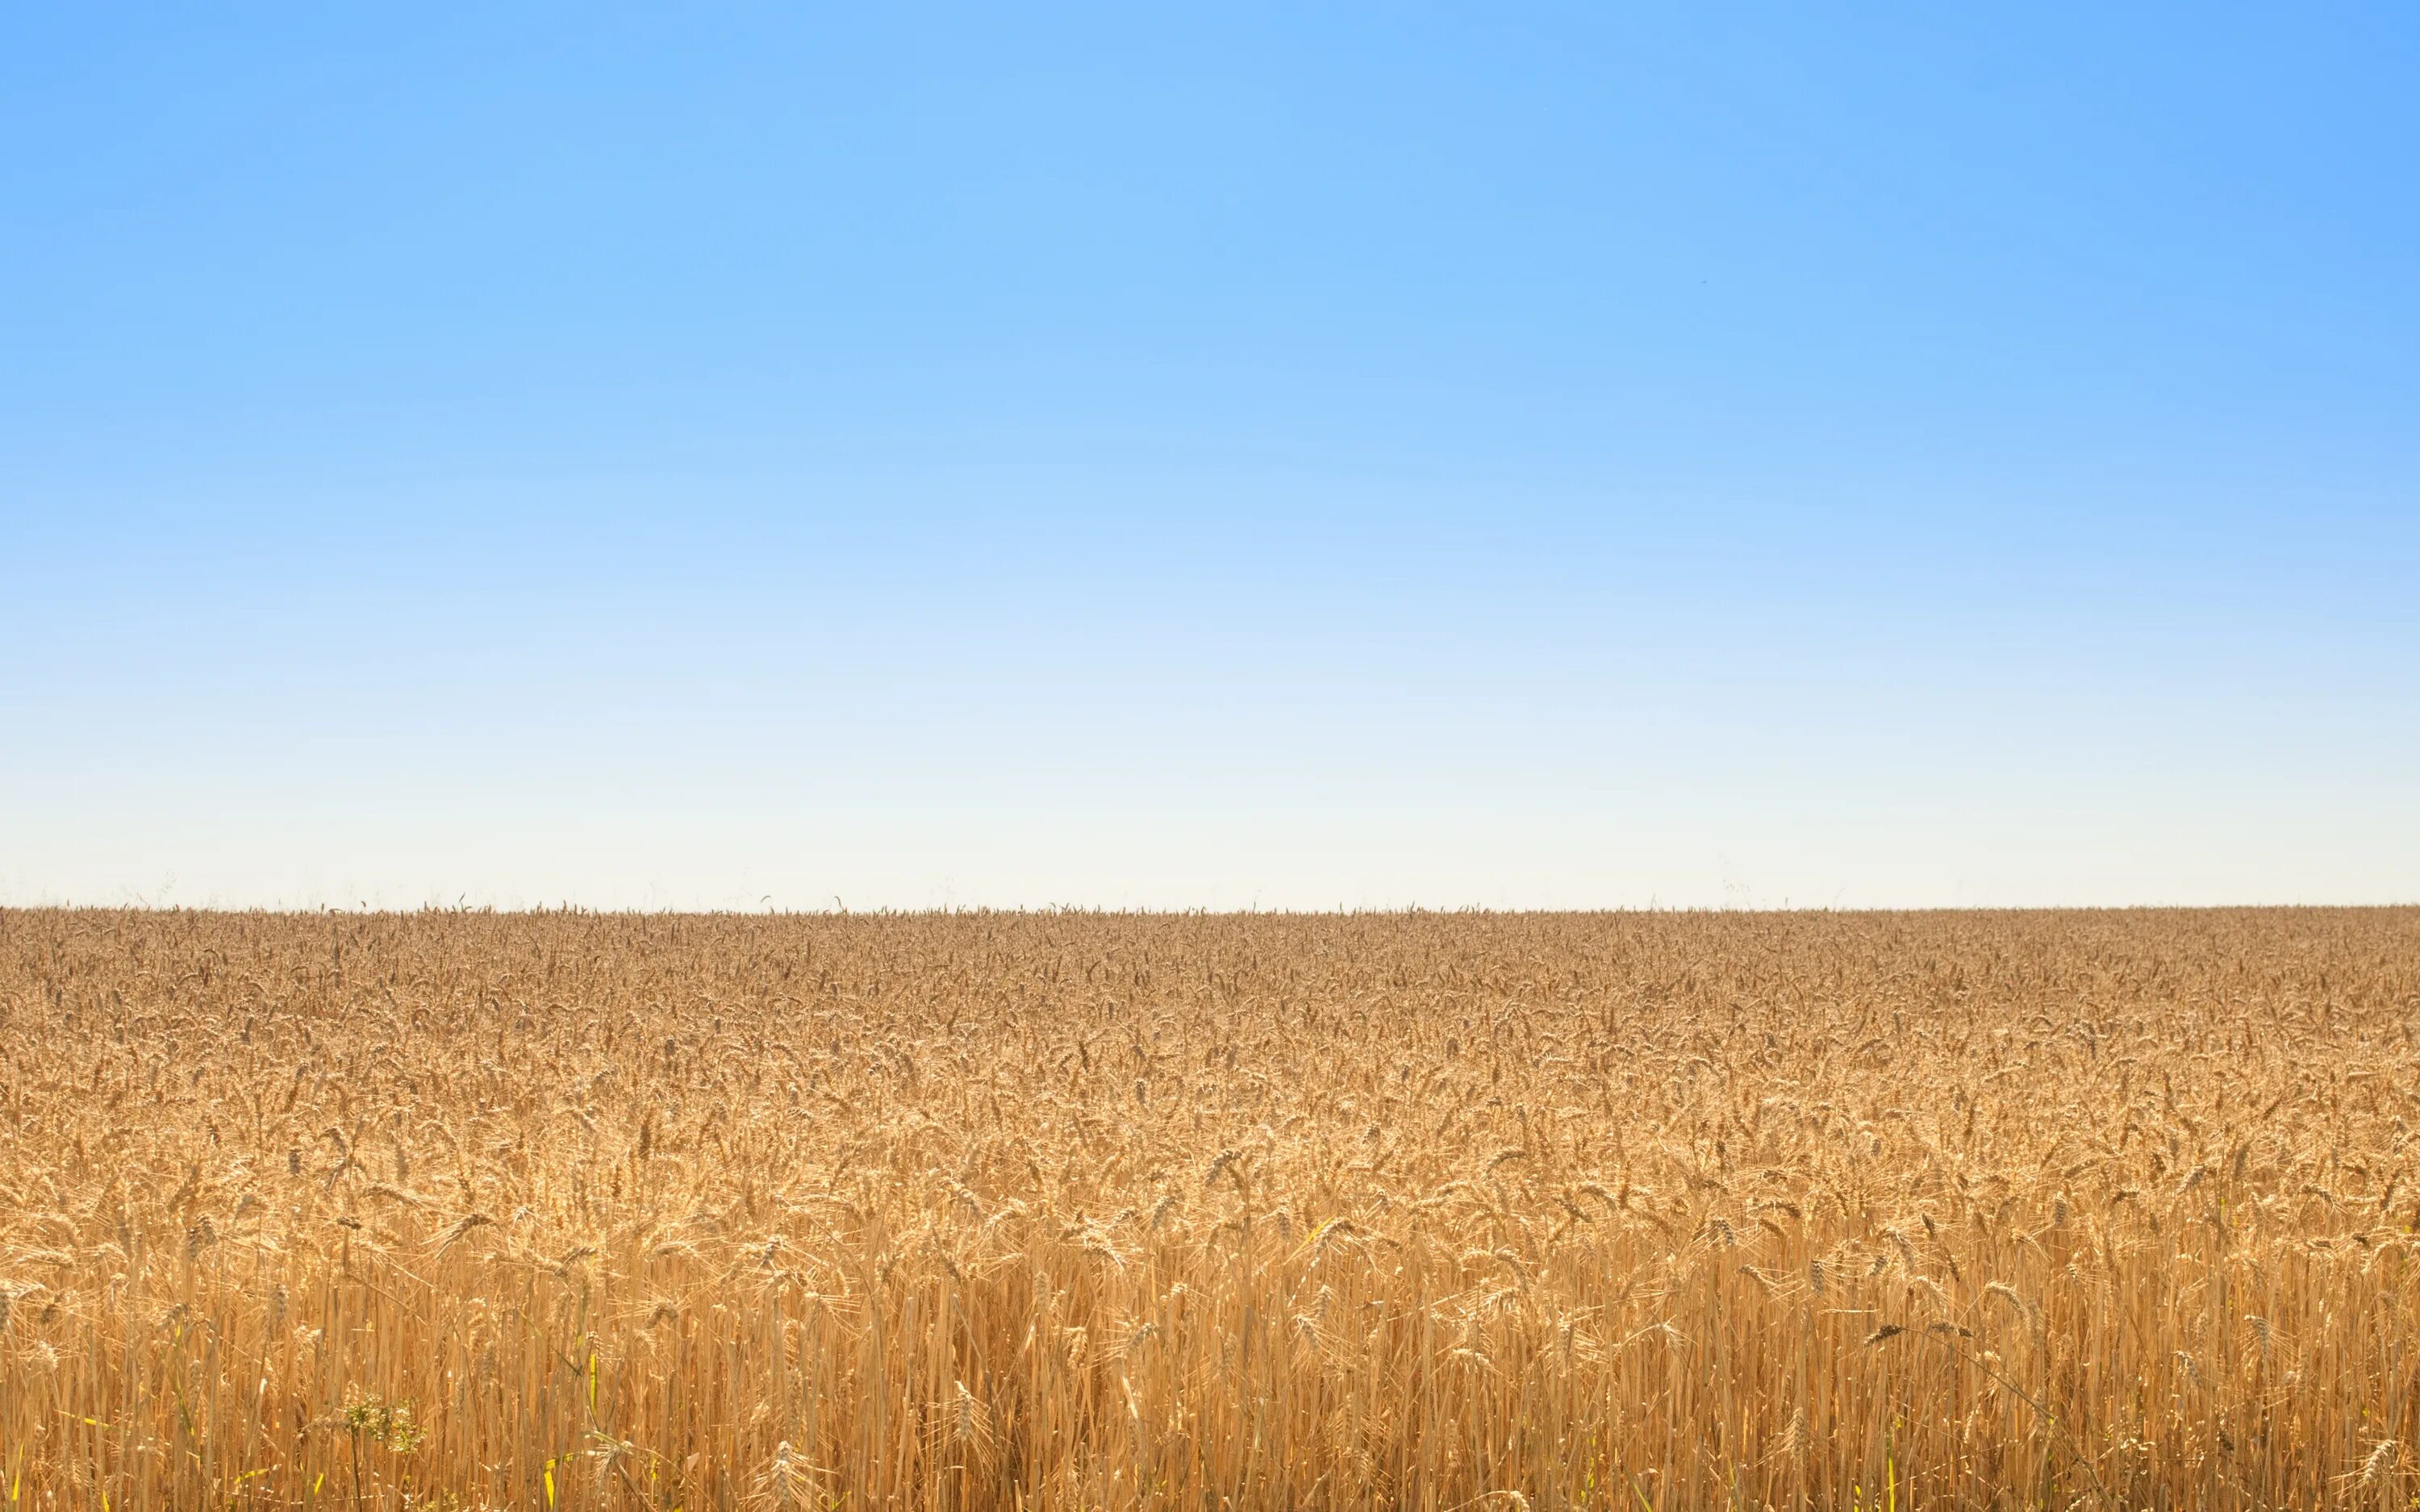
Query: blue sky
{"points": [[1292, 456]]}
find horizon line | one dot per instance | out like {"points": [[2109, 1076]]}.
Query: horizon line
{"points": [[1101, 911]]}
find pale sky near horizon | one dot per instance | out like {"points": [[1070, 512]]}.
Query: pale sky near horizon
{"points": [[1267, 455]]}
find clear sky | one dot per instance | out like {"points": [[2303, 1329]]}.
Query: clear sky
{"points": [[1285, 455]]}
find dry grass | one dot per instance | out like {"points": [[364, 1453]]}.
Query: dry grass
{"points": [[1452, 1211]]}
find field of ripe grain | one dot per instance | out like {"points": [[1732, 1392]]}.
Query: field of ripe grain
{"points": [[1269, 1211]]}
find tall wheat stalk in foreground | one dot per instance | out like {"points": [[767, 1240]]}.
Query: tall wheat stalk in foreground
{"points": [[1057, 1211]]}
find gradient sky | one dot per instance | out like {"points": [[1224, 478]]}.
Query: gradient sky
{"points": [[1287, 456]]}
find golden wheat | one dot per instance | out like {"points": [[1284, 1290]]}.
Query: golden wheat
{"points": [[1266, 1211]]}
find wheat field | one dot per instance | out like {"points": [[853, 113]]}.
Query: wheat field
{"points": [[1070, 1209]]}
